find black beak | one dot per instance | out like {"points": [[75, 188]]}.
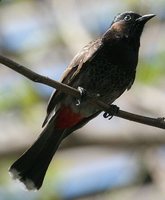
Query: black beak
{"points": [[143, 19]]}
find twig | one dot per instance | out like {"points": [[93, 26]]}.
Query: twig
{"points": [[156, 122]]}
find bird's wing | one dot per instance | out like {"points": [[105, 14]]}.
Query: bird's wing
{"points": [[76, 65], [86, 54]]}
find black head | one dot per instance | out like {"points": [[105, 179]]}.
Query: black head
{"points": [[129, 25]]}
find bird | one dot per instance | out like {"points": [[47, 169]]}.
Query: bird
{"points": [[105, 66]]}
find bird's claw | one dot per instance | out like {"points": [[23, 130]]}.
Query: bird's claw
{"points": [[83, 93], [112, 111]]}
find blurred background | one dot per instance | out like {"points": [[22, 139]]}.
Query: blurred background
{"points": [[114, 159]]}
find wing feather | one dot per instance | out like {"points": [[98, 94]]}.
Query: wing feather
{"points": [[76, 65]]}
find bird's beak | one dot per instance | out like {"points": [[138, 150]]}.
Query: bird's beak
{"points": [[145, 18]]}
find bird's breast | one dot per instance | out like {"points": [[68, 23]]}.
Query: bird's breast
{"points": [[104, 78]]}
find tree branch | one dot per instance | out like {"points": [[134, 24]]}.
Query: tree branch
{"points": [[156, 122]]}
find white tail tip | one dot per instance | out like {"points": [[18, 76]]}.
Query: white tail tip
{"points": [[27, 184]]}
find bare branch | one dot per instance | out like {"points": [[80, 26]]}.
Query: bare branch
{"points": [[155, 122]]}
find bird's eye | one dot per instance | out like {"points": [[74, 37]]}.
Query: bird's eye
{"points": [[127, 18]]}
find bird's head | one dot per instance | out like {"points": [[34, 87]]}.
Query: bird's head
{"points": [[129, 25]]}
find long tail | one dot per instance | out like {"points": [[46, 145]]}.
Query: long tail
{"points": [[31, 167]]}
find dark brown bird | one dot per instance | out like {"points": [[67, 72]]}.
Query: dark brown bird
{"points": [[107, 67]]}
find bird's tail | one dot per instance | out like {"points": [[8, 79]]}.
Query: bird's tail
{"points": [[31, 167]]}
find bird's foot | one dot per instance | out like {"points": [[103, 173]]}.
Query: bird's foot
{"points": [[83, 94], [113, 110]]}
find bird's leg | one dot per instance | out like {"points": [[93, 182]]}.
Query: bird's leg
{"points": [[84, 94], [112, 111]]}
